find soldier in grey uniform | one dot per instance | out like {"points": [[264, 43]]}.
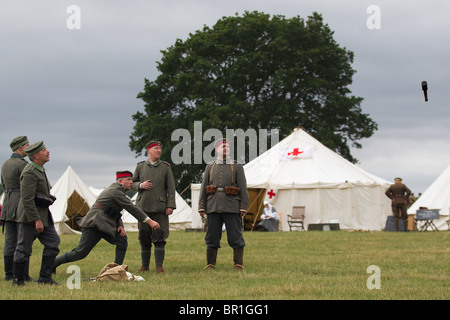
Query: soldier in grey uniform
{"points": [[224, 199], [34, 217], [399, 195], [10, 177], [154, 182], [103, 221]]}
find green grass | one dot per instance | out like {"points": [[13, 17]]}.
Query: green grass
{"points": [[284, 265]]}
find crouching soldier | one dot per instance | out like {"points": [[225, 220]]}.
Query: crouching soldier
{"points": [[104, 221]]}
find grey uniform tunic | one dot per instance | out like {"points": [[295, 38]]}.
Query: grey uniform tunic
{"points": [[113, 197], [156, 200], [11, 171], [222, 208], [10, 177], [34, 183], [103, 223]]}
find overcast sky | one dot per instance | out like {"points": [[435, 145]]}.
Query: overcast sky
{"points": [[76, 88]]}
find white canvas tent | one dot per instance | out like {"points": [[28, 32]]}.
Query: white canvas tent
{"points": [[300, 171], [72, 197], [437, 196], [180, 219]]}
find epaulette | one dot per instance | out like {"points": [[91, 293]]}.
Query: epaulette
{"points": [[140, 162], [166, 163]]}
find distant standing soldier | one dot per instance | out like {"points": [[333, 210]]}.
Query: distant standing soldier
{"points": [[399, 195], [104, 221], [10, 176], [34, 217], [224, 199], [154, 182]]}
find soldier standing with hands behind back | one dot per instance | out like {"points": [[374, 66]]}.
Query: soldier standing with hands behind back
{"points": [[224, 199], [399, 195]]}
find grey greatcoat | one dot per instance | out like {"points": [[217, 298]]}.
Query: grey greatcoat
{"points": [[34, 201], [162, 195], [113, 198], [34, 183], [11, 171]]}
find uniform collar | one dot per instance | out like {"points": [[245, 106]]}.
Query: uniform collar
{"points": [[16, 155], [222, 161], [155, 164], [119, 186], [39, 167]]}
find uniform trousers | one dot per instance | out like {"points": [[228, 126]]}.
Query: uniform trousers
{"points": [[9, 248], [11, 236], [147, 236], [233, 224], [399, 211], [88, 240], [27, 234], [157, 237]]}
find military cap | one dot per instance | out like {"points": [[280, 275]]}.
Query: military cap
{"points": [[221, 141], [35, 148], [18, 142], [152, 144], [123, 174], [398, 178]]}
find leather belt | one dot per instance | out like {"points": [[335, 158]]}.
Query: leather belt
{"points": [[99, 205]]}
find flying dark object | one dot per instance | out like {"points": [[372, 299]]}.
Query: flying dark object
{"points": [[425, 89]]}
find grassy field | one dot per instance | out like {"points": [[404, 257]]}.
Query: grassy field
{"points": [[278, 266]]}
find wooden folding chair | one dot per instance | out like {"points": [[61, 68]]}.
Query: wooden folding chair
{"points": [[297, 217]]}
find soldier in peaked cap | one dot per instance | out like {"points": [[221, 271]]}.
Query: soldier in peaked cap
{"points": [[154, 182], [399, 195], [104, 221], [10, 178], [34, 217], [224, 199]]}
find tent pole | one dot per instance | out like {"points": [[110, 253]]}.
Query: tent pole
{"points": [[258, 208]]}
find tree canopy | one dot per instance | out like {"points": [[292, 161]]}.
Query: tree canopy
{"points": [[253, 71]]}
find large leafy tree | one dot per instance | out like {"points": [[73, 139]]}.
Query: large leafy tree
{"points": [[254, 71]]}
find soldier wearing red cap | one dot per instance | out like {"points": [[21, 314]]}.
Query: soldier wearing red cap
{"points": [[154, 182], [224, 199], [103, 221]]}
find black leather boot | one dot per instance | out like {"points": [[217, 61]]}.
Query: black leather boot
{"points": [[8, 262], [27, 273], [211, 257], [45, 275], [19, 273], [238, 256]]}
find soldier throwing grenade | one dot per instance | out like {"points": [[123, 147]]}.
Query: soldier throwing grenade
{"points": [[224, 199]]}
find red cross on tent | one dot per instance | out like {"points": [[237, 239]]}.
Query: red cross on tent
{"points": [[295, 152], [271, 194], [301, 152]]}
